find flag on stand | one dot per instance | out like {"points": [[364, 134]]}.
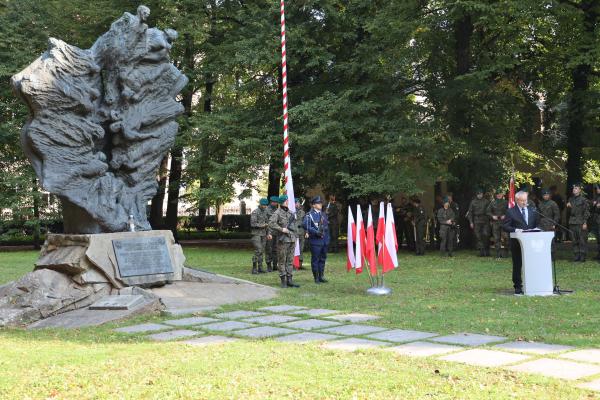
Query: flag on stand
{"points": [[351, 236], [390, 258], [370, 247], [360, 241], [511, 193], [380, 234]]}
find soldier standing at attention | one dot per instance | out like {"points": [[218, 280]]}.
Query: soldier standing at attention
{"points": [[300, 214], [596, 216], [333, 216], [420, 223], [259, 222], [495, 211], [447, 220], [317, 227], [284, 223], [480, 222], [549, 214], [271, 256], [454, 206], [580, 212]]}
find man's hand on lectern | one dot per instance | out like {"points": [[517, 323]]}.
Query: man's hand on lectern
{"points": [[518, 230]]}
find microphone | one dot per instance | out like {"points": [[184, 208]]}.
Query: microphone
{"points": [[555, 223]]}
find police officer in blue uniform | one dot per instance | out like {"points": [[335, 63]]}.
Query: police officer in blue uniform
{"points": [[317, 229]]}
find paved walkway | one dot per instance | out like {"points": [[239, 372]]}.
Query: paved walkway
{"points": [[348, 332]]}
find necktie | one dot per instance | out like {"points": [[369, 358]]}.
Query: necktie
{"points": [[524, 215]]}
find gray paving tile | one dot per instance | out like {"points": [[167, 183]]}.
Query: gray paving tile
{"points": [[593, 385], [190, 321], [173, 335], [189, 310], [485, 358], [400, 335], [314, 312], [239, 314], [424, 349], [309, 324], [306, 337], [271, 319], [557, 368], [533, 347], [141, 328], [351, 344], [587, 355], [264, 332], [282, 308], [227, 326], [208, 340], [354, 317], [468, 339], [353, 329]]}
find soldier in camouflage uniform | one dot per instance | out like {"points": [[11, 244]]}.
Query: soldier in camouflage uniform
{"points": [[259, 223], [580, 212], [549, 214], [333, 215], [271, 252], [495, 211], [480, 222], [285, 224], [419, 221], [455, 207], [596, 217], [300, 213], [447, 220]]}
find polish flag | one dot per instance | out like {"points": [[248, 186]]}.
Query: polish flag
{"points": [[351, 236], [390, 258], [370, 252], [360, 241], [379, 238], [511, 193]]}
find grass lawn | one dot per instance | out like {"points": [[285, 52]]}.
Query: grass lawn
{"points": [[465, 293]]}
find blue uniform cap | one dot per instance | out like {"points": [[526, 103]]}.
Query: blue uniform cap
{"points": [[316, 200], [263, 202], [282, 198], [274, 199]]}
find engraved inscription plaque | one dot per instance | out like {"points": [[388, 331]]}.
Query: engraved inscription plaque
{"points": [[142, 256]]}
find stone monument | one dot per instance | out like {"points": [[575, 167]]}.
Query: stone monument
{"points": [[101, 120]]}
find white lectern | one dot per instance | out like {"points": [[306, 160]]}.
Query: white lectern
{"points": [[536, 253]]}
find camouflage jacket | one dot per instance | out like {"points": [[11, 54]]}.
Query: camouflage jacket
{"points": [[259, 222], [580, 210], [283, 218], [419, 215], [549, 214], [300, 214], [444, 215], [497, 208], [478, 211]]}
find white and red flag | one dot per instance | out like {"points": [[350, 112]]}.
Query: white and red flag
{"points": [[511, 193], [380, 237], [370, 247], [360, 241], [390, 245], [351, 237]]}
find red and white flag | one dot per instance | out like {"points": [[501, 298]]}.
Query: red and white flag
{"points": [[360, 241], [351, 236], [390, 258], [380, 237], [370, 248], [511, 193]]}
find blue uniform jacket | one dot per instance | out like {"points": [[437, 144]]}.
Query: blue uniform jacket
{"points": [[312, 221]]}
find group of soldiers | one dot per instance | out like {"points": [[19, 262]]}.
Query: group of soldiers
{"points": [[275, 230]]}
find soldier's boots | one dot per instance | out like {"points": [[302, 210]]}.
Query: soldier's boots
{"points": [[486, 252], [260, 269], [283, 281], [576, 258], [290, 282], [254, 268], [499, 254], [481, 253], [269, 268], [275, 268], [582, 258], [450, 254]]}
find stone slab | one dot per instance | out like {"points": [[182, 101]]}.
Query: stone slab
{"points": [[469, 339], [352, 344], [118, 302], [189, 310], [306, 337], [593, 385], [141, 328], [173, 335], [353, 329], [400, 335], [309, 324], [271, 319], [424, 349], [227, 326], [314, 312], [239, 314], [485, 358], [587, 355], [557, 368], [264, 332], [190, 321], [354, 317], [281, 308], [142, 256], [533, 347], [209, 340]]}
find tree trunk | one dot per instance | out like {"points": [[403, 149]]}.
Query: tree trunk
{"points": [[156, 207]]}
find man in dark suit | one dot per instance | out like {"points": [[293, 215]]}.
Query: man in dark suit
{"points": [[519, 218]]}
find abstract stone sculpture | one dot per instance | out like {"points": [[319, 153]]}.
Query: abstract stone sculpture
{"points": [[101, 120]]}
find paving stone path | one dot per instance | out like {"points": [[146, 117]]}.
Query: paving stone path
{"points": [[337, 331]]}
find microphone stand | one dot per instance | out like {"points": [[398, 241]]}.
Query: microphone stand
{"points": [[557, 289]]}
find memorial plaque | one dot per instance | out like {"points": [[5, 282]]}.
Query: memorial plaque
{"points": [[142, 256]]}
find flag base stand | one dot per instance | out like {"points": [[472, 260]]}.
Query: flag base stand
{"points": [[379, 291]]}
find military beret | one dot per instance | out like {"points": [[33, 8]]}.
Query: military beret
{"points": [[263, 202], [545, 191], [282, 199], [445, 200], [316, 200], [274, 199], [478, 190]]}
